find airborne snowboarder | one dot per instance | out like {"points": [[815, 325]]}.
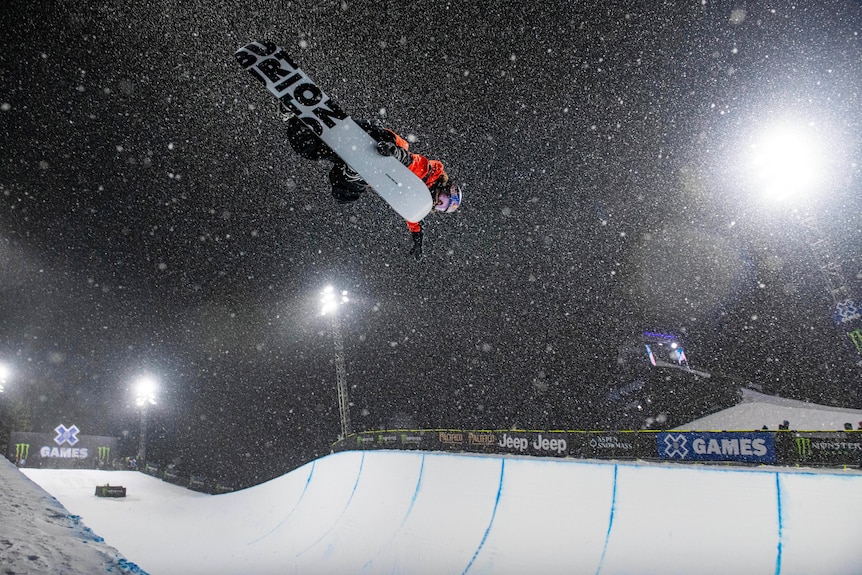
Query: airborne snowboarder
{"points": [[348, 186]]}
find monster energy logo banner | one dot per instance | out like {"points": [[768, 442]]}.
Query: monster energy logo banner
{"points": [[22, 452], [65, 447], [839, 447], [856, 337]]}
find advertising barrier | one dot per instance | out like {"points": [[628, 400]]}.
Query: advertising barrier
{"points": [[826, 448], [794, 448], [67, 448], [748, 447]]}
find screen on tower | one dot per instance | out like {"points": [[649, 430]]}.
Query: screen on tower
{"points": [[664, 349]]}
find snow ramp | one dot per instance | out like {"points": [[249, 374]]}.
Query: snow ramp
{"points": [[435, 513]]}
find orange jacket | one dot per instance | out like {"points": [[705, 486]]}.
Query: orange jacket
{"points": [[428, 170]]}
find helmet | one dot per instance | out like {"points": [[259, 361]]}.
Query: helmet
{"points": [[449, 198]]}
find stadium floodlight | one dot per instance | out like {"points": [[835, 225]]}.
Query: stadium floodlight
{"points": [[5, 372], [330, 301], [145, 391], [788, 163], [145, 396]]}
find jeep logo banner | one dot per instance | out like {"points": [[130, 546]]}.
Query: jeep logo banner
{"points": [[752, 447]]}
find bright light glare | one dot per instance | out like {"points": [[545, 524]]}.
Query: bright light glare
{"points": [[5, 372], [788, 163], [146, 391], [329, 301]]}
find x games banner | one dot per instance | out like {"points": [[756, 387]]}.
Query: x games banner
{"points": [[748, 447], [65, 448]]}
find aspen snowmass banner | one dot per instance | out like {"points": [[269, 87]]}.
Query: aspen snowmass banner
{"points": [[65, 448]]}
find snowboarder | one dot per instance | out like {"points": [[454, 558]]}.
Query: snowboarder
{"points": [[348, 186]]}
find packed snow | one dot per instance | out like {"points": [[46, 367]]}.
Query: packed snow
{"points": [[39, 535], [757, 410], [417, 512], [414, 512]]}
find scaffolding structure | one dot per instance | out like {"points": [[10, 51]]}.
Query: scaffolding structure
{"points": [[340, 377], [847, 313]]}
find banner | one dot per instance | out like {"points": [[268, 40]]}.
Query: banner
{"points": [[838, 448], [611, 444], [749, 447], [67, 448], [821, 448]]}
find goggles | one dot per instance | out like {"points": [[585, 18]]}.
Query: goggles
{"points": [[448, 199]]}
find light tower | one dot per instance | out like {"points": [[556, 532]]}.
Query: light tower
{"points": [[789, 163], [145, 396], [847, 314], [4, 375], [330, 302]]}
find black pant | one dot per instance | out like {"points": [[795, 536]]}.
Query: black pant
{"points": [[346, 186]]}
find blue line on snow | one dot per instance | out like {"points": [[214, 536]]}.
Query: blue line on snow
{"points": [[289, 513], [610, 523], [415, 493], [343, 511], [493, 514], [406, 515], [780, 524]]}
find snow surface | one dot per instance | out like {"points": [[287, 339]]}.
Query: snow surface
{"points": [[38, 535], [756, 410], [414, 512]]}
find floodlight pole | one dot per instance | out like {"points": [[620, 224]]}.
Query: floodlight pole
{"points": [[340, 377], [827, 263], [146, 396], [142, 441], [331, 303], [786, 162], [845, 309]]}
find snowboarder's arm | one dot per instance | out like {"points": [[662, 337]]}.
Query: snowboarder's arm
{"points": [[416, 233], [397, 152]]}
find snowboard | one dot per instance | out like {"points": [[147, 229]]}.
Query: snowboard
{"points": [[398, 186]]}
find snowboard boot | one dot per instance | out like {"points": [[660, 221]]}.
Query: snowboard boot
{"points": [[350, 176], [347, 185]]}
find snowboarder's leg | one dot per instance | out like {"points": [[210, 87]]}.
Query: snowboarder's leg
{"points": [[306, 143], [346, 184], [375, 129]]}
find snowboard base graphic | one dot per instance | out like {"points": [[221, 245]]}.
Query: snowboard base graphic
{"points": [[392, 181]]}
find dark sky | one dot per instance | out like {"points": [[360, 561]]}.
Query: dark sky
{"points": [[154, 220]]}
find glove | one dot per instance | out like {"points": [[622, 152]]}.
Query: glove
{"points": [[416, 250], [390, 149], [386, 148]]}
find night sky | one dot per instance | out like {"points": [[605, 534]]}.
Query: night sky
{"points": [[153, 219]]}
